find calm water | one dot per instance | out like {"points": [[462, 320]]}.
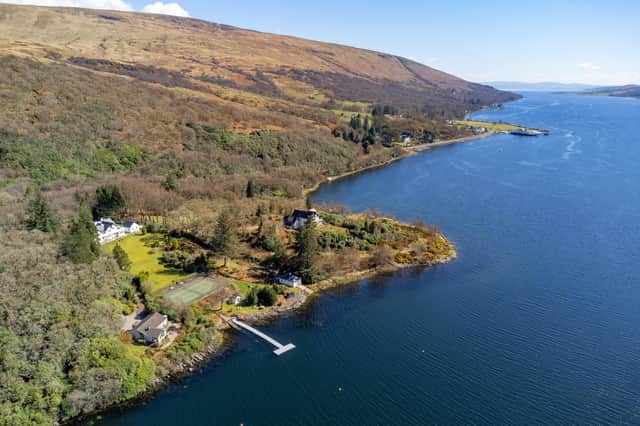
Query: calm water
{"points": [[536, 322]]}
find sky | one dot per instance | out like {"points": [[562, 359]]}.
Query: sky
{"points": [[588, 41]]}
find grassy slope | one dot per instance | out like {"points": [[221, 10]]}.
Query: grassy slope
{"points": [[200, 51]]}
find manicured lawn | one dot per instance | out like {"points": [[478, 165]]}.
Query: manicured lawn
{"points": [[145, 258]]}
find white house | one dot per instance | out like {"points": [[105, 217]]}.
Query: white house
{"points": [[299, 217], [108, 230], [236, 299], [153, 329], [131, 227], [289, 280]]}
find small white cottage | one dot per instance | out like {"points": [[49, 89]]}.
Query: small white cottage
{"points": [[289, 280]]}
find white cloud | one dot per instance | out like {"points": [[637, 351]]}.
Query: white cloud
{"points": [[165, 9], [157, 7], [90, 4], [588, 66]]}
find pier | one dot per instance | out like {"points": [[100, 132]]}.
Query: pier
{"points": [[280, 348]]}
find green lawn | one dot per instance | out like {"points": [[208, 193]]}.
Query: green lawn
{"points": [[144, 258], [498, 127]]}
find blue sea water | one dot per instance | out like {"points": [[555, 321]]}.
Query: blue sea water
{"points": [[537, 321]]}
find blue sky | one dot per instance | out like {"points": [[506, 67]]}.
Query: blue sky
{"points": [[565, 41]]}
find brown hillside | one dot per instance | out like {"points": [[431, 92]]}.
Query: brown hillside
{"points": [[96, 94], [207, 55]]}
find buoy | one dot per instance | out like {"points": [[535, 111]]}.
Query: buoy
{"points": [[339, 389]]}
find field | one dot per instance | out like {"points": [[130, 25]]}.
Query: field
{"points": [[497, 127], [145, 258], [195, 289]]}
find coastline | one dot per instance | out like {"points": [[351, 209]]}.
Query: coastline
{"points": [[472, 138], [197, 360], [409, 151]]}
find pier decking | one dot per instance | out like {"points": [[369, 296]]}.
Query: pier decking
{"points": [[280, 348]]}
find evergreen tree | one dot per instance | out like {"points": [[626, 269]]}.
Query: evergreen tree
{"points": [[250, 189], [267, 296], [80, 243], [121, 257], [307, 249], [200, 263], [224, 236], [40, 216], [252, 298], [109, 202], [260, 227]]}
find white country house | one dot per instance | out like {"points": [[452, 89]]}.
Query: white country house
{"points": [[289, 280], [108, 230]]}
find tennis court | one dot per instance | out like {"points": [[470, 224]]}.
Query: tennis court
{"points": [[195, 289]]}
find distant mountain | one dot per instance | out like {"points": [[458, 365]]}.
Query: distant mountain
{"points": [[547, 86], [627, 91]]}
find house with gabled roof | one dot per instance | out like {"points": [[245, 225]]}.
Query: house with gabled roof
{"points": [[298, 218], [153, 329]]}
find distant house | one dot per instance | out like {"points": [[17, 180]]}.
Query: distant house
{"points": [[405, 137], [131, 227], [153, 329], [236, 299], [298, 218], [289, 280], [108, 230]]}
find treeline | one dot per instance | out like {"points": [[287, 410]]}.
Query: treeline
{"points": [[381, 127]]}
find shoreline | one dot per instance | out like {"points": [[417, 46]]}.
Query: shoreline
{"points": [[472, 138], [198, 360], [409, 151]]}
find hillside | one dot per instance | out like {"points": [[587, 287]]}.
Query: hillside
{"points": [[206, 135], [627, 91], [205, 56], [89, 93]]}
